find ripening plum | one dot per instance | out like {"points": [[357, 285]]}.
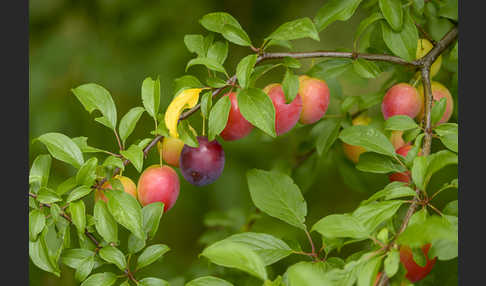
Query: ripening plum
{"points": [[158, 184], [351, 151], [202, 165], [128, 186], [403, 176], [401, 99], [170, 150], [396, 138], [315, 99], [423, 48], [438, 91], [286, 115], [237, 126], [416, 272]]}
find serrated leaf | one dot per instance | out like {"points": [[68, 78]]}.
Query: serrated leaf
{"points": [[208, 281], [135, 154], [87, 172], [127, 211], [290, 85], [236, 35], [100, 279], [39, 171], [400, 122], [216, 21], [335, 10], [378, 163], [37, 221], [404, 42], [93, 96], [277, 195], [105, 223], [258, 109], [78, 193], [369, 138], [210, 63], [62, 148], [340, 225], [129, 121], [113, 255], [195, 44], [218, 117], [327, 132], [296, 29], [392, 10], [151, 254], [244, 70]]}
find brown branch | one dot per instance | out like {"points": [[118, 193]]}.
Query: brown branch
{"points": [[426, 35]]}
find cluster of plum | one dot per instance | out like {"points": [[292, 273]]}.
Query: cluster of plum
{"points": [[204, 164]]}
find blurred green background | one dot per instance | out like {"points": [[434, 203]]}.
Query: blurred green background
{"points": [[118, 43]]}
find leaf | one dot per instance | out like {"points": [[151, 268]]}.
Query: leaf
{"points": [[218, 117], [432, 229], [419, 168], [78, 193], [236, 35], [87, 172], [126, 211], [82, 143], [114, 162], [93, 96], [113, 255], [277, 195], [438, 161], [151, 215], [211, 64], [236, 255], [216, 21], [364, 24], [335, 10], [208, 281], [129, 121], [100, 279], [195, 44], [74, 257], [391, 263], [330, 68], [307, 274], [373, 214], [206, 103], [152, 281], [327, 132], [37, 221], [135, 154], [218, 51], [400, 122], [151, 96], [448, 9], [187, 134], [258, 109], [105, 223], [368, 271], [296, 29], [186, 82], [135, 244], [438, 110], [84, 269], [268, 247], [404, 42], [39, 171], [290, 85], [151, 254], [340, 225], [392, 10], [451, 208], [47, 196], [186, 99], [39, 254], [62, 148], [366, 69], [291, 63], [78, 215], [244, 70], [216, 82], [369, 138], [448, 135], [391, 191], [377, 163]]}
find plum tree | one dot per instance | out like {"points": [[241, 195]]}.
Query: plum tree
{"points": [[401, 99], [170, 150], [423, 47], [128, 186], [315, 99], [438, 91], [237, 126], [403, 176], [416, 272], [286, 115], [351, 151], [202, 165], [158, 184]]}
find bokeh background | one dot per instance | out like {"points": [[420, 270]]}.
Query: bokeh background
{"points": [[117, 43]]}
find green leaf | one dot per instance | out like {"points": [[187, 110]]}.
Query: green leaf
{"points": [[236, 255], [391, 263], [105, 223], [268, 247], [370, 99], [62, 148], [448, 135], [400, 122], [340, 225], [257, 107], [432, 229], [218, 117], [391, 191], [373, 214], [87, 172], [438, 161], [135, 244], [438, 110], [366, 69], [125, 283], [296, 29], [78, 193], [418, 6], [330, 68], [48, 196], [186, 82], [206, 103], [126, 211], [364, 24], [211, 64], [419, 168], [152, 281], [114, 162], [404, 42], [236, 35], [277, 195], [195, 44], [218, 51], [216, 21], [291, 63], [151, 96], [327, 132], [78, 215], [307, 274], [290, 85], [82, 143], [74, 257], [135, 154], [186, 134], [369, 138], [37, 221], [411, 134], [100, 279], [39, 171], [113, 255], [451, 208], [368, 271], [335, 10], [392, 10], [378, 163], [151, 215], [216, 82], [39, 254], [84, 269], [444, 249], [284, 44], [208, 281], [448, 9], [348, 103], [151, 254], [93, 96], [244, 70], [129, 121]]}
